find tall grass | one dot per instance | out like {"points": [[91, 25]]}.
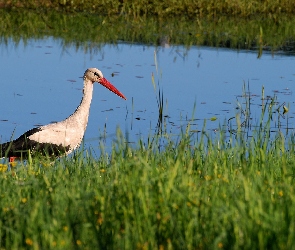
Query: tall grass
{"points": [[159, 96], [89, 32], [162, 8], [227, 192]]}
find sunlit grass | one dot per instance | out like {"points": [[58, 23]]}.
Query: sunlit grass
{"points": [[226, 192], [162, 8]]}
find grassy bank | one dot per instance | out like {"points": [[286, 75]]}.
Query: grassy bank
{"points": [[89, 32], [162, 8], [230, 192]]}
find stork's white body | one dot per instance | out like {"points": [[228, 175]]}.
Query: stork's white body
{"points": [[69, 132]]}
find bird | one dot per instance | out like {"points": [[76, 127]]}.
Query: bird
{"points": [[59, 138]]}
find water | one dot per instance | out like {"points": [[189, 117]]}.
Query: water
{"points": [[41, 83]]}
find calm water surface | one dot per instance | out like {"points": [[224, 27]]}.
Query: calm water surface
{"points": [[41, 82]]}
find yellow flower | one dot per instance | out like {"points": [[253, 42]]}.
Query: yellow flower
{"points": [[45, 164], [29, 241], [99, 221], [65, 228], [5, 209], [3, 167], [220, 245], [79, 242], [24, 200], [281, 193], [13, 164], [208, 177], [225, 180]]}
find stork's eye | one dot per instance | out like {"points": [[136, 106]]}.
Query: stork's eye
{"points": [[96, 74]]}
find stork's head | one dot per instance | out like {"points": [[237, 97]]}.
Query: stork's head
{"points": [[95, 75]]}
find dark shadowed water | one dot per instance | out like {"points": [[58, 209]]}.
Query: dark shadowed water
{"points": [[41, 83]]}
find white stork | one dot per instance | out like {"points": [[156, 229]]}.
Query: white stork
{"points": [[59, 138]]}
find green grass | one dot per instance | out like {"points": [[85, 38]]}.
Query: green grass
{"points": [[230, 192], [90, 32], [162, 8]]}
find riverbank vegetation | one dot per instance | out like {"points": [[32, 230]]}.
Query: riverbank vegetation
{"points": [[198, 192], [89, 32], [225, 195], [162, 8]]}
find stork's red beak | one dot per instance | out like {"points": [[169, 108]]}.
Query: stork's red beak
{"points": [[104, 82]]}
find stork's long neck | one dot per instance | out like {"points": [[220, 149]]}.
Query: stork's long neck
{"points": [[80, 116]]}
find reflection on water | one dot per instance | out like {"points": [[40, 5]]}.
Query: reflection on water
{"points": [[41, 83], [91, 31]]}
